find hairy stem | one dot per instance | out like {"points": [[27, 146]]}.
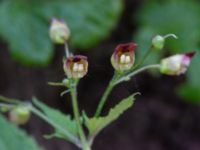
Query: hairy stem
{"points": [[116, 80], [124, 78], [67, 50], [103, 99], [85, 144], [171, 35], [9, 100], [106, 94]]}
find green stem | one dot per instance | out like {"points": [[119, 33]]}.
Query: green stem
{"points": [[85, 144], [103, 99], [124, 78], [9, 100], [116, 80], [106, 94], [67, 50], [113, 83], [170, 35]]}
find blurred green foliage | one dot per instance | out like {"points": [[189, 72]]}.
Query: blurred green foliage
{"points": [[24, 25], [180, 17], [12, 138]]}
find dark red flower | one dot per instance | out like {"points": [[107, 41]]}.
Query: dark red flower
{"points": [[124, 56]]}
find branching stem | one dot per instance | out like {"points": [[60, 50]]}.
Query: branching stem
{"points": [[118, 79], [124, 78]]}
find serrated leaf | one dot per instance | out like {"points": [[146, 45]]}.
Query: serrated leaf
{"points": [[168, 18], [27, 34], [64, 121], [95, 125], [12, 138]]}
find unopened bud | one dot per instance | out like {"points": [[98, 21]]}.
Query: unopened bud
{"points": [[76, 66], [59, 31], [177, 64], [158, 42], [19, 115], [124, 57]]}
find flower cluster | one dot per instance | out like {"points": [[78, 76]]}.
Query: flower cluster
{"points": [[123, 57], [76, 67]]}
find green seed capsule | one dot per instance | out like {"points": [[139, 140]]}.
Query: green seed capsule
{"points": [[19, 115]]}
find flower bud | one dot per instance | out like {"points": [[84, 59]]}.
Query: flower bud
{"points": [[76, 66], [158, 42], [124, 57], [19, 115], [4, 109], [177, 64], [59, 31]]}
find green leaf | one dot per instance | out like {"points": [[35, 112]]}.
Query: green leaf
{"points": [[25, 25], [12, 138], [190, 90], [168, 18], [95, 125], [64, 121], [26, 33], [190, 93]]}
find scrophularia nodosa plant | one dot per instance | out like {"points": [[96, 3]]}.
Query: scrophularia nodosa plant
{"points": [[81, 130]]}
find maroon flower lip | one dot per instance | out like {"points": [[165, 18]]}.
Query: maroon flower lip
{"points": [[76, 58], [123, 57], [126, 47], [190, 54]]}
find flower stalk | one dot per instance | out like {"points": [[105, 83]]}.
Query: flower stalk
{"points": [[104, 97], [83, 139], [124, 78], [67, 50]]}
